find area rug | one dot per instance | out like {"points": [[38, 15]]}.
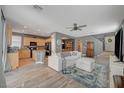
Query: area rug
{"points": [[96, 79]]}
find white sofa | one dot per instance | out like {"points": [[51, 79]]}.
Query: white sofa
{"points": [[70, 58], [86, 64], [55, 61]]}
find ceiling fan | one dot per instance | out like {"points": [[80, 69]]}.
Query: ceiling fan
{"points": [[38, 7], [76, 27]]}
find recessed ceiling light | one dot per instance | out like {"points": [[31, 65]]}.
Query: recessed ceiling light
{"points": [[25, 27], [38, 29]]}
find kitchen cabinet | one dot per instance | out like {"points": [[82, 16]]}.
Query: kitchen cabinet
{"points": [[39, 41], [13, 59], [24, 53]]}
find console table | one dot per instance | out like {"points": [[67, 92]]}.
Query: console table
{"points": [[116, 68]]}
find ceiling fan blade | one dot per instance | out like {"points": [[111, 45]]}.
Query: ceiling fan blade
{"points": [[79, 29], [72, 30], [69, 27], [83, 26]]}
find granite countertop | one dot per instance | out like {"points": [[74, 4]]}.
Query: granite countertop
{"points": [[12, 49]]}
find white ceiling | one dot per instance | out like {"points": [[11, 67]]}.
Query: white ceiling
{"points": [[55, 18]]}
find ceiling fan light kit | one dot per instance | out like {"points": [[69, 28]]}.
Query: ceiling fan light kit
{"points": [[76, 27]]}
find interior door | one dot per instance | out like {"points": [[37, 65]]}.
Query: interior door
{"points": [[90, 49]]}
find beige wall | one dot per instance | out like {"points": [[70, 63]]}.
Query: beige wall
{"points": [[9, 34]]}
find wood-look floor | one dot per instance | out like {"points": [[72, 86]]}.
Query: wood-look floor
{"points": [[31, 75], [39, 76]]}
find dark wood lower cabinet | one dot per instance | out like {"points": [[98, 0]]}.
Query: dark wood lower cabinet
{"points": [[118, 81]]}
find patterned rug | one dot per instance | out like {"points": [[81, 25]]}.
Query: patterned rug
{"points": [[96, 79]]}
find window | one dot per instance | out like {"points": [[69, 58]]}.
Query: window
{"points": [[16, 41]]}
